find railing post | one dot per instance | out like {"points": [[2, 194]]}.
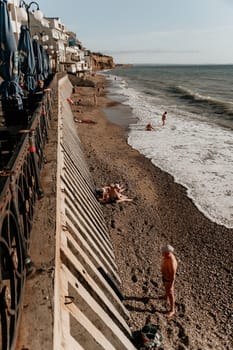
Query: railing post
{"points": [[32, 150]]}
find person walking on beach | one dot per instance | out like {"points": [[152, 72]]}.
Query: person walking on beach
{"points": [[164, 116], [168, 269], [95, 99]]}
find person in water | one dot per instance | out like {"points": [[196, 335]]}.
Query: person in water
{"points": [[168, 269], [149, 127], [164, 116]]}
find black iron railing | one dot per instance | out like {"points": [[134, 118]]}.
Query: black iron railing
{"points": [[20, 187]]}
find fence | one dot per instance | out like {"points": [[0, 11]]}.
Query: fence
{"points": [[22, 157]]}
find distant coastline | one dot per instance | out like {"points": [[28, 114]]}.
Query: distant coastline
{"points": [[124, 65]]}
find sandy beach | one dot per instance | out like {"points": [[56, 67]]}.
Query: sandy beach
{"points": [[160, 213]]}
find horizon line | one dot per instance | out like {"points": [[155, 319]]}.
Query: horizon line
{"points": [[177, 64]]}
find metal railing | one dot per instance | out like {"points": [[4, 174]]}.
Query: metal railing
{"points": [[20, 187]]}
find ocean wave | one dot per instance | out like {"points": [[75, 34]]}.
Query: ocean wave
{"points": [[219, 105]]}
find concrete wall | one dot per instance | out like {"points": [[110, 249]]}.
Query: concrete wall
{"points": [[89, 313]]}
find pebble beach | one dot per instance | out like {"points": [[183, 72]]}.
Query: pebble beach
{"points": [[160, 213]]}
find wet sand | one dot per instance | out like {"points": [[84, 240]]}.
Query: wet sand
{"points": [[160, 213]]}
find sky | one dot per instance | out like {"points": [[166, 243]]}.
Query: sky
{"points": [[150, 31]]}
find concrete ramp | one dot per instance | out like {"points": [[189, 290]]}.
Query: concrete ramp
{"points": [[89, 313]]}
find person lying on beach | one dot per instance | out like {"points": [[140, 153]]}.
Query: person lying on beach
{"points": [[78, 103], [149, 127], [70, 101], [120, 188], [168, 269], [84, 121], [111, 194]]}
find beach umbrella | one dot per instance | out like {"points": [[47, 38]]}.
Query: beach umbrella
{"points": [[9, 89], [38, 59], [27, 63], [45, 62], [48, 63]]}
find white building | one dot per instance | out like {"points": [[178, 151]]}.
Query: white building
{"points": [[65, 51]]}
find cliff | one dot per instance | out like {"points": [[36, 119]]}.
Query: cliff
{"points": [[100, 61]]}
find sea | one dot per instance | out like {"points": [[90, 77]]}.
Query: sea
{"points": [[195, 145]]}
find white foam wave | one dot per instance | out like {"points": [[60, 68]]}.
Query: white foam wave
{"points": [[199, 155], [198, 96]]}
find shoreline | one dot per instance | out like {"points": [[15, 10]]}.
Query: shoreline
{"points": [[193, 147], [113, 114], [160, 213]]}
